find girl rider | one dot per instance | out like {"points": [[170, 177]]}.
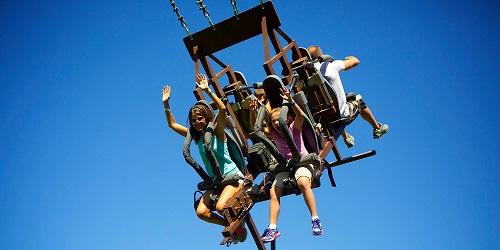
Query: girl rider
{"points": [[199, 116]]}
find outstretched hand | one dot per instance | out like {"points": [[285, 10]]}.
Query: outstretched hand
{"points": [[285, 94], [166, 93], [254, 104], [201, 82]]}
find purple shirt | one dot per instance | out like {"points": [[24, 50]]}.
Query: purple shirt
{"points": [[282, 146]]}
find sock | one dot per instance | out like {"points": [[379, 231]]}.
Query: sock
{"points": [[272, 226], [314, 217]]}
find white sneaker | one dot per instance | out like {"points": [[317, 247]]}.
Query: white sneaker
{"points": [[377, 133]]}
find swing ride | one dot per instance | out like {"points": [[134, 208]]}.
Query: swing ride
{"points": [[287, 66]]}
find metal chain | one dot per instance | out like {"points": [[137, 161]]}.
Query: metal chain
{"points": [[235, 8], [180, 17], [203, 8]]}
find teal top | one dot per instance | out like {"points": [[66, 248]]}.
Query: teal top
{"points": [[220, 149]]}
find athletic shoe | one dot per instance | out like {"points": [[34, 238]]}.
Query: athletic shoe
{"points": [[377, 133], [317, 229], [349, 141], [270, 235]]}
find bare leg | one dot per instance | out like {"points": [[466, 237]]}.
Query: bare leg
{"points": [[203, 211], [304, 184], [326, 149], [367, 114], [274, 204], [226, 194]]}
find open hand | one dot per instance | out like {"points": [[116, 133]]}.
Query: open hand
{"points": [[254, 104], [166, 93], [201, 82], [285, 94]]}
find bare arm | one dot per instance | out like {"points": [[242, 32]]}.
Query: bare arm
{"points": [[299, 114], [350, 62], [220, 119], [169, 115]]}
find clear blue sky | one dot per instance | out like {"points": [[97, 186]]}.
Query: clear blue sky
{"points": [[87, 161]]}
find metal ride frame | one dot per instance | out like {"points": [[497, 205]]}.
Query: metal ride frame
{"points": [[201, 47]]}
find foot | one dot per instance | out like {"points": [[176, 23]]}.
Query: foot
{"points": [[240, 234], [383, 128], [317, 229], [349, 141], [270, 235]]}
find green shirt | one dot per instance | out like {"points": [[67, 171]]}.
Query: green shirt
{"points": [[221, 152]]}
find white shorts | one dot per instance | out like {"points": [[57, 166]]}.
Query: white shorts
{"points": [[301, 172]]}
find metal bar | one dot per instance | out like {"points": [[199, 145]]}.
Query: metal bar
{"points": [[255, 233], [330, 176], [352, 158], [233, 30], [283, 34], [335, 149], [278, 49], [282, 54], [217, 60], [263, 25]]}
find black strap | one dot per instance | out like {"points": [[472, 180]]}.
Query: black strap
{"points": [[189, 159]]}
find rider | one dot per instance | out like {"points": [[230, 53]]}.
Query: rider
{"points": [[302, 174], [331, 70], [199, 117]]}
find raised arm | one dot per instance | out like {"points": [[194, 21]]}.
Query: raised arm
{"points": [[168, 113], [220, 119], [299, 114], [350, 62]]}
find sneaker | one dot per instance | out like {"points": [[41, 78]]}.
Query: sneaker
{"points": [[377, 133], [349, 141], [270, 235], [317, 229], [240, 234]]}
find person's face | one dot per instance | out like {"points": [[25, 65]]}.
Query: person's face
{"points": [[275, 119], [198, 121]]}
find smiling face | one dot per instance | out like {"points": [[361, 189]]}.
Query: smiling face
{"points": [[198, 120], [275, 118]]}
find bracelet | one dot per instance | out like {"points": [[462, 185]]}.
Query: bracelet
{"points": [[166, 106]]}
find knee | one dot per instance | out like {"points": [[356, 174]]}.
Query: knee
{"points": [[220, 206], [303, 183], [202, 212]]}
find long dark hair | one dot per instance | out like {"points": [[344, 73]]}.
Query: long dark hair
{"points": [[206, 111]]}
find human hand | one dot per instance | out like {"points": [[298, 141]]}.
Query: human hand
{"points": [[254, 104], [285, 94], [201, 82], [166, 93]]}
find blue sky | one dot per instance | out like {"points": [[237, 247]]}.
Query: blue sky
{"points": [[87, 161]]}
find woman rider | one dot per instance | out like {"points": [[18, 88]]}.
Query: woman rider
{"points": [[199, 116]]}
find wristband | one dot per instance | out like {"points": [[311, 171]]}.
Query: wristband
{"points": [[166, 106]]}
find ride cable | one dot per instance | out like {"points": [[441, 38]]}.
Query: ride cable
{"points": [[180, 17], [235, 8], [203, 8]]}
